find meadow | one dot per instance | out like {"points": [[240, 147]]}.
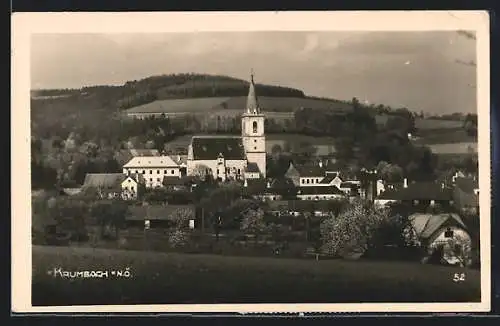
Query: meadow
{"points": [[168, 278], [454, 148]]}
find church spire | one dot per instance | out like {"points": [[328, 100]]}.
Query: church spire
{"points": [[252, 103]]}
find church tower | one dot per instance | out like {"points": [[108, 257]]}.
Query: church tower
{"points": [[252, 131]]}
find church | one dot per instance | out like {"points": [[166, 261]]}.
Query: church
{"points": [[233, 157]]}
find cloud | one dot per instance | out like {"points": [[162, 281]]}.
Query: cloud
{"points": [[367, 65]]}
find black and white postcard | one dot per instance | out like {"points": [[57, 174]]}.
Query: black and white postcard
{"points": [[251, 162]]}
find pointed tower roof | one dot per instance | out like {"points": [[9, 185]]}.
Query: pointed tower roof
{"points": [[252, 103]]}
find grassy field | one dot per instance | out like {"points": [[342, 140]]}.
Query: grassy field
{"points": [[236, 105], [437, 124], [158, 278], [454, 148]]}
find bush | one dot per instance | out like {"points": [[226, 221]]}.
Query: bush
{"points": [[178, 239]]}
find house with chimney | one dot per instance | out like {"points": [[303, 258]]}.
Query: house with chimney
{"points": [[420, 195], [274, 189]]}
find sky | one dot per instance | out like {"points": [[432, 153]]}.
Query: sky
{"points": [[423, 71]]}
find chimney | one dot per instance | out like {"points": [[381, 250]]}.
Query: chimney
{"points": [[405, 183], [320, 163]]}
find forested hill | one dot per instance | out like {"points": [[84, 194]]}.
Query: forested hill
{"points": [[150, 89]]}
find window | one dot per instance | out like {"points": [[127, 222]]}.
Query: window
{"points": [[303, 181], [239, 171], [132, 188], [448, 233], [307, 181], [150, 179], [254, 127], [255, 148], [158, 179], [143, 172], [150, 171], [164, 171], [255, 140], [217, 171], [158, 172], [126, 188]]}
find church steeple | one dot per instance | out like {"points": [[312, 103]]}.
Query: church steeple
{"points": [[252, 103]]}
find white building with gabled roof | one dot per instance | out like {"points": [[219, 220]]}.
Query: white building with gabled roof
{"points": [[153, 169]]}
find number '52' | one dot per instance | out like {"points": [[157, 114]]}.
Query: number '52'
{"points": [[458, 277]]}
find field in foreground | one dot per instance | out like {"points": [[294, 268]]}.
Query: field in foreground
{"points": [[158, 278]]}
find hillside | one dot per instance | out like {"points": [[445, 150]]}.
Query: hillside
{"points": [[173, 86]]}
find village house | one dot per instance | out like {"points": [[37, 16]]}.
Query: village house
{"points": [[320, 193], [107, 185], [133, 186], [466, 195], [420, 195], [447, 231], [298, 207], [314, 175], [181, 160], [269, 190], [233, 158], [158, 216], [184, 183], [153, 169]]}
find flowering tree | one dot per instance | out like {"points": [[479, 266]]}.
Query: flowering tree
{"points": [[180, 217], [350, 233], [253, 222]]}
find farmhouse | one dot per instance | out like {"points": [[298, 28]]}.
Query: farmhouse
{"points": [[158, 216], [418, 194], [271, 189], [320, 193], [315, 175], [108, 185], [133, 186], [153, 169], [228, 157], [446, 232]]}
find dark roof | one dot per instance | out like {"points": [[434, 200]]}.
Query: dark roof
{"points": [[320, 190], [311, 171], [467, 184], [270, 186], [104, 180], [173, 181], [426, 225], [349, 185], [156, 212], [252, 167], [209, 148], [329, 178], [418, 191]]}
